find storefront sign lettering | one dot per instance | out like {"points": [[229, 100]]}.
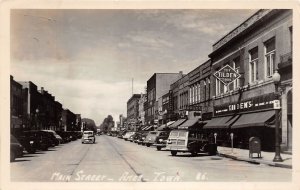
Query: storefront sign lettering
{"points": [[252, 104], [227, 75]]}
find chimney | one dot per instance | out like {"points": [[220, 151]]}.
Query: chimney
{"points": [[42, 90], [181, 73]]}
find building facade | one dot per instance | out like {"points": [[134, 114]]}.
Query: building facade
{"points": [[179, 98], [254, 49], [200, 104], [133, 111], [16, 105], [141, 102], [157, 86]]}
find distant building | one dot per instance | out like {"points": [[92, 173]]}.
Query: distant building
{"points": [[133, 111], [142, 101], [16, 105], [157, 86]]}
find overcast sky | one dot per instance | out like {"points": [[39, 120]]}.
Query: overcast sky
{"points": [[87, 58]]}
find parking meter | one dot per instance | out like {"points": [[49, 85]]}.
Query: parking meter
{"points": [[215, 135], [231, 137]]}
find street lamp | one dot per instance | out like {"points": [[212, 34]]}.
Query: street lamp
{"points": [[37, 117], [276, 80]]}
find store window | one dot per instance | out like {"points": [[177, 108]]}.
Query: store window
{"points": [[270, 57], [253, 64]]}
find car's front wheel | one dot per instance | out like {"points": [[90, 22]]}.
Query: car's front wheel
{"points": [[158, 148]]}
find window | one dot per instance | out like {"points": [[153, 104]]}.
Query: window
{"points": [[270, 57], [204, 90], [199, 90], [196, 92], [236, 67], [190, 95], [253, 64]]}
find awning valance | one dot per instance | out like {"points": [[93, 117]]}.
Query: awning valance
{"points": [[189, 123], [220, 122], [177, 123], [254, 119]]}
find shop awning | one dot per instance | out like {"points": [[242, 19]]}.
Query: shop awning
{"points": [[254, 119], [143, 128], [189, 123], [220, 122], [177, 123]]}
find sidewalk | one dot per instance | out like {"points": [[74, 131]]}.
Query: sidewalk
{"points": [[267, 157]]}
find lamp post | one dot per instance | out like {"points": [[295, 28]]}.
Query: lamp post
{"points": [[37, 118], [276, 80]]}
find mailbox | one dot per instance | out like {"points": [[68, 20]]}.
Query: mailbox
{"points": [[254, 147]]}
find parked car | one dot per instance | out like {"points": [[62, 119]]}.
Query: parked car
{"points": [[161, 140], [142, 137], [191, 140], [132, 137], [28, 141], [43, 140], [16, 149], [137, 136], [53, 139], [88, 136], [127, 135], [153, 136], [58, 140], [64, 135], [121, 134]]}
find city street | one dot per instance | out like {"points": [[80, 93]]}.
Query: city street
{"points": [[113, 159]]}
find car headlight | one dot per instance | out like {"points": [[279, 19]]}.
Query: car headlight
{"points": [[143, 138], [160, 140], [31, 142]]}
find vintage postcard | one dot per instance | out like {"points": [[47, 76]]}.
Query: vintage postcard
{"points": [[129, 95]]}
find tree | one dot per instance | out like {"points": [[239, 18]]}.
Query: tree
{"points": [[107, 124], [89, 124]]}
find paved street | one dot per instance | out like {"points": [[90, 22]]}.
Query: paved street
{"points": [[113, 159]]}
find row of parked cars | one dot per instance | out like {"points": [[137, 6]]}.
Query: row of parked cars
{"points": [[191, 139], [147, 138], [34, 140]]}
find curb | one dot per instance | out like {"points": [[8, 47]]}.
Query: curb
{"points": [[252, 161]]}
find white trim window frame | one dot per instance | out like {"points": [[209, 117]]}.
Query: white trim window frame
{"points": [[196, 93], [199, 91], [218, 87], [253, 64], [269, 58], [236, 83]]}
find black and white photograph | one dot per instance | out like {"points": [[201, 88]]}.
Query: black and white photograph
{"points": [[141, 95]]}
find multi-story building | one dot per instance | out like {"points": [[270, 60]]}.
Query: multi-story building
{"points": [[31, 105], [68, 120], [142, 101], [254, 49], [133, 111], [16, 105], [199, 91], [178, 98], [157, 86]]}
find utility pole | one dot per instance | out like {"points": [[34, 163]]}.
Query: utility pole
{"points": [[132, 87]]}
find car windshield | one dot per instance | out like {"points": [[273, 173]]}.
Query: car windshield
{"points": [[153, 133], [88, 133]]}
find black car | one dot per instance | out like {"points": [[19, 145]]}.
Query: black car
{"points": [[42, 142], [28, 141], [16, 149], [64, 135]]}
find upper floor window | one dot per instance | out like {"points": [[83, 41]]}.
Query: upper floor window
{"points": [[270, 57], [253, 64], [236, 67]]}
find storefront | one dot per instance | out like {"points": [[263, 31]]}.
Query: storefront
{"points": [[246, 118]]}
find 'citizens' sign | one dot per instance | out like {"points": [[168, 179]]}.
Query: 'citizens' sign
{"points": [[227, 75]]}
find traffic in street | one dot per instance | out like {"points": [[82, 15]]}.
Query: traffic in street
{"points": [[112, 159]]}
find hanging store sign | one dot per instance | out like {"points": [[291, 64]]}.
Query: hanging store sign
{"points": [[227, 75]]}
